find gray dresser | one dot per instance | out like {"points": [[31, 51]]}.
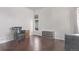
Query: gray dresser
{"points": [[72, 42]]}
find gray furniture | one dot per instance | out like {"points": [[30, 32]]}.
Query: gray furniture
{"points": [[48, 34], [18, 33], [72, 42]]}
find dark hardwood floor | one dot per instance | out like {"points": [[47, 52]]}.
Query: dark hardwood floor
{"points": [[34, 43]]}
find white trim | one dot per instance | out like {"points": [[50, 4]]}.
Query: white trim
{"points": [[59, 39], [5, 41]]}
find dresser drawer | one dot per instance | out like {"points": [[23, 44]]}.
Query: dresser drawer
{"points": [[71, 42]]}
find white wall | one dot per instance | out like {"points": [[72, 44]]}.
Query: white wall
{"points": [[78, 18], [73, 20], [10, 17], [61, 20]]}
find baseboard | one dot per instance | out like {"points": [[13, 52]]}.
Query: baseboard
{"points": [[5, 41], [59, 39]]}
